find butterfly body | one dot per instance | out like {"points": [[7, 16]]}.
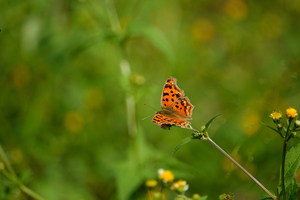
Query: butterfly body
{"points": [[176, 109]]}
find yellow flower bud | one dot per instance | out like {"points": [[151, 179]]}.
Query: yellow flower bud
{"points": [[276, 115], [291, 113], [151, 183], [165, 175], [180, 186], [225, 197], [196, 197]]}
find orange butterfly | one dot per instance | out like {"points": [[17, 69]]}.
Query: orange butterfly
{"points": [[176, 109]]}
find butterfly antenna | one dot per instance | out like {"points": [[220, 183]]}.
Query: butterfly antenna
{"points": [[151, 114], [148, 116], [150, 106]]}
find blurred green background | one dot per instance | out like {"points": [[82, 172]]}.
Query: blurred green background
{"points": [[75, 76]]}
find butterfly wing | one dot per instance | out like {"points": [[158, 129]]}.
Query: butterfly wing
{"points": [[166, 122], [183, 108], [176, 109], [171, 92]]}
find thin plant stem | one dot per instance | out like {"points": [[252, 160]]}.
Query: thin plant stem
{"points": [[125, 70], [283, 168], [30, 192], [286, 138], [11, 175], [6, 161], [183, 196], [244, 170], [113, 16]]}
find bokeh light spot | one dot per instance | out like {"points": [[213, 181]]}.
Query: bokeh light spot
{"points": [[251, 124], [236, 9], [271, 25], [94, 98], [73, 122], [203, 30], [21, 75]]}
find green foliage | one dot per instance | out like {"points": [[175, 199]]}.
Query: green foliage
{"points": [[265, 196], [154, 36], [70, 113], [292, 165], [202, 135], [183, 142]]}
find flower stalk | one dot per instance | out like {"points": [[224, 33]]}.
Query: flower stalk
{"points": [[243, 169], [203, 135], [11, 175], [286, 139], [283, 168]]}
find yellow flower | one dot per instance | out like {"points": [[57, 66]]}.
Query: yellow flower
{"points": [[276, 115], [291, 113], [151, 183], [180, 186], [165, 175]]}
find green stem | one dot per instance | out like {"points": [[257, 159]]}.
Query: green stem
{"points": [[113, 16], [286, 138], [183, 196], [244, 170], [11, 175], [30, 192], [6, 161], [283, 168]]}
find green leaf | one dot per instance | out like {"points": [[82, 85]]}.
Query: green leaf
{"points": [[124, 172], [181, 143], [270, 127], [210, 121], [265, 196], [292, 164], [204, 197], [291, 191], [155, 37]]}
